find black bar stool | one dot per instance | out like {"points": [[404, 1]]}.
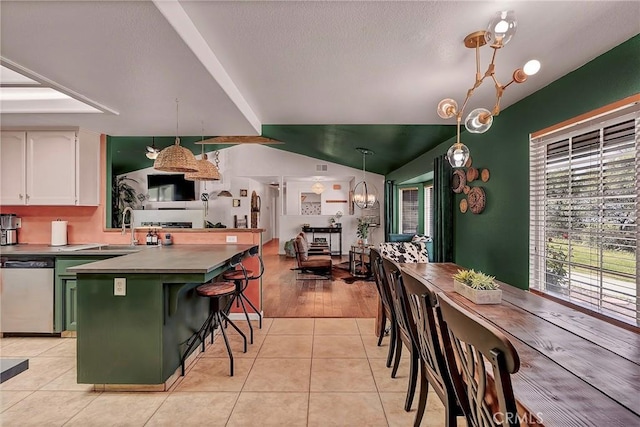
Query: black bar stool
{"points": [[241, 278], [214, 291]]}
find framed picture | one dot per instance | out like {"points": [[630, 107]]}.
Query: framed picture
{"points": [[243, 193], [236, 203]]}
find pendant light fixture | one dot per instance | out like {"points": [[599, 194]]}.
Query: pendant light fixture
{"points": [[152, 151], [317, 187], [176, 158], [207, 171], [364, 195], [499, 31]]}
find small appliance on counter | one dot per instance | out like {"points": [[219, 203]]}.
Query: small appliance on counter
{"points": [[8, 229]]}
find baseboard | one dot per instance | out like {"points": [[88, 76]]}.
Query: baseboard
{"points": [[241, 316]]}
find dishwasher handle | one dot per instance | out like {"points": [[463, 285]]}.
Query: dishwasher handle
{"points": [[28, 263]]}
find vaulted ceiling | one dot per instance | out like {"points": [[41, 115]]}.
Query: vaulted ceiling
{"points": [[324, 77]]}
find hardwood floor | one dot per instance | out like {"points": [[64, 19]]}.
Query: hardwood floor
{"points": [[285, 295]]}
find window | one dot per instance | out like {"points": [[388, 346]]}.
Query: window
{"points": [[584, 215], [408, 218], [428, 210]]}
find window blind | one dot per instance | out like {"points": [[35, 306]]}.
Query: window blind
{"points": [[584, 192], [428, 210], [409, 210]]}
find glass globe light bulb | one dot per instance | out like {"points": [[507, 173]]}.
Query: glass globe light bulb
{"points": [[501, 28], [458, 154], [531, 67], [447, 108], [317, 188], [479, 120]]}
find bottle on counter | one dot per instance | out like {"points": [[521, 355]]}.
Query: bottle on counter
{"points": [[154, 238], [149, 237], [167, 239]]}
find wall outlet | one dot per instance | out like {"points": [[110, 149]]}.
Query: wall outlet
{"points": [[119, 286], [232, 239]]}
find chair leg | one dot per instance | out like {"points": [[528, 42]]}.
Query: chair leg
{"points": [[381, 325], [398, 355], [392, 342], [244, 337], [424, 390], [198, 336], [226, 343], [413, 379], [244, 308], [254, 309]]}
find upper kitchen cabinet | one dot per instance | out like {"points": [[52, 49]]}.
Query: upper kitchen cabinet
{"points": [[49, 168]]}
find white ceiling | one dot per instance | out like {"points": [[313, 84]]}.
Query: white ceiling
{"points": [[236, 65]]}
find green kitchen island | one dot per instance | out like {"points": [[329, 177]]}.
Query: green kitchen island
{"points": [[135, 341]]}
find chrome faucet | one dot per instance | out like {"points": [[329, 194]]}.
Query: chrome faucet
{"points": [[130, 224]]}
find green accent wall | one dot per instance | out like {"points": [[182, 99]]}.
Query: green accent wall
{"points": [[497, 241]]}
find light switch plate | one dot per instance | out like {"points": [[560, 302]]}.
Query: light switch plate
{"points": [[119, 286], [232, 239]]}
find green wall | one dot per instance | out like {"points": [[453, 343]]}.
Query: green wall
{"points": [[497, 241]]}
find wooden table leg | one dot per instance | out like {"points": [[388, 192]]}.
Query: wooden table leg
{"points": [[378, 318]]}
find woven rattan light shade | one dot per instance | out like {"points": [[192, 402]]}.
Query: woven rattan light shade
{"points": [[176, 158], [207, 171]]}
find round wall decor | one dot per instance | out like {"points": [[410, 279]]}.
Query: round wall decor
{"points": [[463, 205], [468, 163], [477, 199], [458, 181], [472, 174], [466, 189], [485, 175]]}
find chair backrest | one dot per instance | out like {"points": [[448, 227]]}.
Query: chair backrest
{"points": [[255, 251], [426, 315], [398, 297], [381, 282], [470, 342], [302, 249]]}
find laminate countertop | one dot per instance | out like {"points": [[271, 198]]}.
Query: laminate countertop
{"points": [[199, 259], [70, 250]]}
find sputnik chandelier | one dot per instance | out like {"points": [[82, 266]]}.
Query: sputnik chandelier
{"points": [[499, 31]]}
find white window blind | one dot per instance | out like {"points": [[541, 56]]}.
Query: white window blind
{"points": [[584, 215], [408, 210], [428, 210]]}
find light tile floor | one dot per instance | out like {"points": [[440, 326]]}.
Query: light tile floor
{"points": [[298, 372]]}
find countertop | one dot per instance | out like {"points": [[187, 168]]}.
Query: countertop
{"points": [[165, 260], [71, 250]]}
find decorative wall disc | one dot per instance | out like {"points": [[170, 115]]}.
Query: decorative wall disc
{"points": [[466, 189], [485, 175], [472, 174], [463, 205], [477, 199], [458, 181], [468, 163]]}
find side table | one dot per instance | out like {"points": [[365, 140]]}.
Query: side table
{"points": [[359, 261]]}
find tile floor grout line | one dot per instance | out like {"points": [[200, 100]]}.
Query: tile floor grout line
{"points": [[30, 393], [386, 418], [313, 339], [99, 393]]}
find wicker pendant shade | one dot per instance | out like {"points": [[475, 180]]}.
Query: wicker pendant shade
{"points": [[207, 171], [176, 158]]}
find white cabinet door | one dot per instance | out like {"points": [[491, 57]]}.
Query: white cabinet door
{"points": [[88, 166], [51, 168], [13, 156]]}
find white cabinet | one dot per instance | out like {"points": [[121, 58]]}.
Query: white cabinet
{"points": [[50, 168]]}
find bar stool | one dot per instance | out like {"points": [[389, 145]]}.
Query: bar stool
{"points": [[241, 278], [214, 291]]}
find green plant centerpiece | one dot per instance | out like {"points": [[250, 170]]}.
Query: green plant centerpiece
{"points": [[363, 230], [477, 287]]}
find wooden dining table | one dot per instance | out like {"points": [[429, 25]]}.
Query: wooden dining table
{"points": [[575, 369]]}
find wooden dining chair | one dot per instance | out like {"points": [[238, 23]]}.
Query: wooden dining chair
{"points": [[469, 343], [404, 333], [387, 306], [426, 317]]}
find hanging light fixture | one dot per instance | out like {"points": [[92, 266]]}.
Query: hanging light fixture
{"points": [[207, 171], [364, 195], [152, 151], [176, 158], [317, 188], [499, 32]]}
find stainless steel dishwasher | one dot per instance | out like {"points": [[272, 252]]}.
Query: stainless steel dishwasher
{"points": [[26, 294]]}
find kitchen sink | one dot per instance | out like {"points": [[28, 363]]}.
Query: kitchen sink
{"points": [[115, 248]]}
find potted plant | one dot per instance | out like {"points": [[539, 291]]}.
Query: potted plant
{"points": [[477, 287], [363, 230], [337, 217]]}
